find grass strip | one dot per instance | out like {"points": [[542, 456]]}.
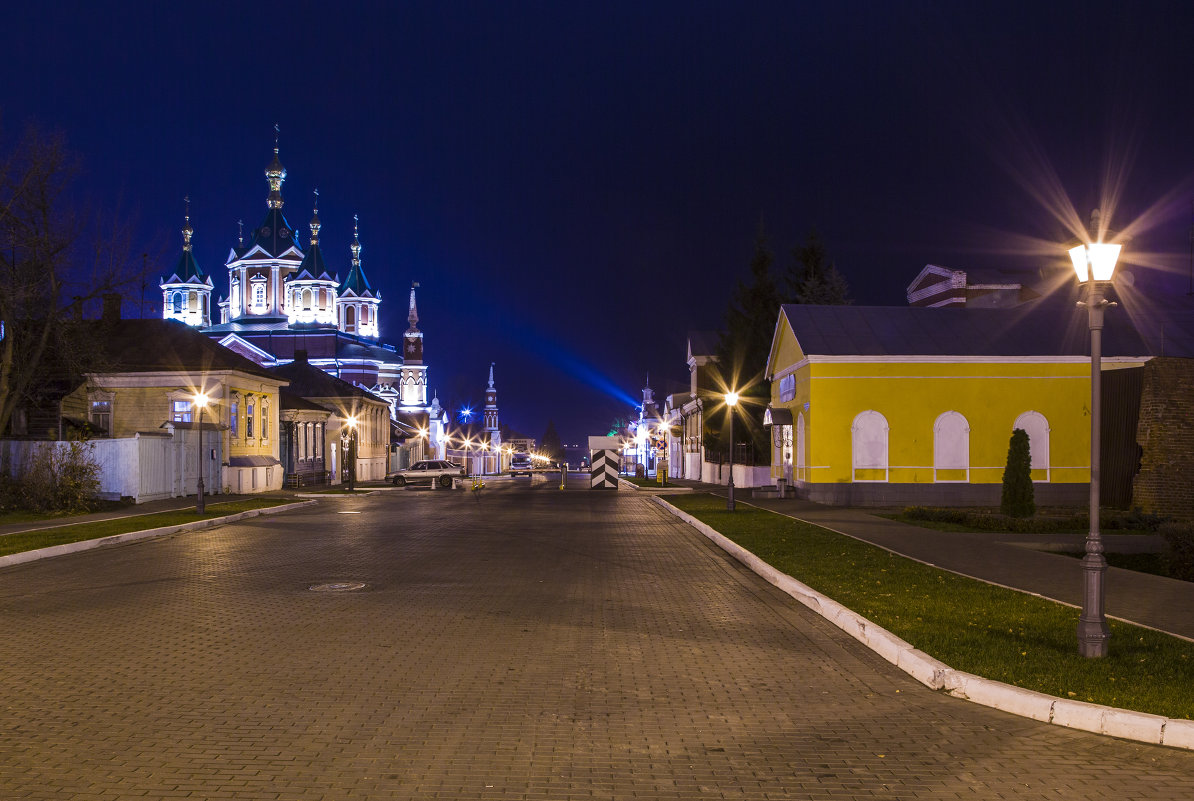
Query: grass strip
{"points": [[969, 625], [21, 541], [644, 482]]}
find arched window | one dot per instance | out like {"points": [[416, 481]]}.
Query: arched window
{"points": [[951, 448], [801, 464], [306, 298], [176, 302], [350, 318], [869, 447], [259, 295], [1037, 428]]}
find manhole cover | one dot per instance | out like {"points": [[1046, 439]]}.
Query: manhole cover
{"points": [[338, 586]]}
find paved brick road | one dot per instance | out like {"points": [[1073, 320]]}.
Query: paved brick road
{"points": [[531, 644]]}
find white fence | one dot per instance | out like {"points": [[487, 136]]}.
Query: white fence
{"points": [[144, 468]]}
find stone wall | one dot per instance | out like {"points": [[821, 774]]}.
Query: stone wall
{"points": [[1165, 433]]}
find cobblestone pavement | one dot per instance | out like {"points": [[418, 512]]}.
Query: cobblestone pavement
{"points": [[526, 644]]}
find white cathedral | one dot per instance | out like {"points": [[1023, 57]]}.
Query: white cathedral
{"points": [[283, 299]]}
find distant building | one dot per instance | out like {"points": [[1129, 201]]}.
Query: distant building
{"points": [[940, 287]]}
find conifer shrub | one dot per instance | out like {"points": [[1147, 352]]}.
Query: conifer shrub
{"points": [[1017, 499]]}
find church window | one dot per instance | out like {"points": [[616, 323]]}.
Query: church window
{"points": [[259, 296], [306, 298], [101, 415], [176, 302], [180, 411], [249, 419], [350, 318]]}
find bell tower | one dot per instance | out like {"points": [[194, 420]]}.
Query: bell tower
{"points": [[412, 393]]}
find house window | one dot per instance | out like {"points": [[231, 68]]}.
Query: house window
{"points": [[264, 420], [787, 388], [101, 415], [869, 447], [233, 415], [180, 411], [249, 419], [951, 448]]}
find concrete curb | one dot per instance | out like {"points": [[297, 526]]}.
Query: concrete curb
{"points": [[937, 675], [131, 536]]}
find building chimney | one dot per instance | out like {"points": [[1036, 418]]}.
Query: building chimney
{"points": [[111, 311]]}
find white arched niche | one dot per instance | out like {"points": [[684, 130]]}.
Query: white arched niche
{"points": [[951, 449], [869, 447], [1037, 428]]}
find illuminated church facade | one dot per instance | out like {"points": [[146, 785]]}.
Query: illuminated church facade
{"points": [[285, 301]]}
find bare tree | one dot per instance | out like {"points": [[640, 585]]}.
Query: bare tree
{"points": [[52, 266]]}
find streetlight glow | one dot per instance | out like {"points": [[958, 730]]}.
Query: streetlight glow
{"points": [[1096, 260], [731, 398]]}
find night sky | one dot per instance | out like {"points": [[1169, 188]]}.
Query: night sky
{"points": [[577, 185]]}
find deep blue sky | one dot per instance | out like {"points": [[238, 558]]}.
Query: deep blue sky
{"points": [[576, 185]]}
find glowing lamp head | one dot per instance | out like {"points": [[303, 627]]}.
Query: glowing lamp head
{"points": [[200, 400], [731, 398], [1096, 260], [351, 421]]}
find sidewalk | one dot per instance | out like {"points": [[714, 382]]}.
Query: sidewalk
{"points": [[1007, 559], [211, 503]]}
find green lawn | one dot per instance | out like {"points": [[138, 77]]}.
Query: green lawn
{"points": [[970, 626], [32, 540]]}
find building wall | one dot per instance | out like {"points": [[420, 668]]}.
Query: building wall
{"points": [[142, 402], [912, 394], [1166, 438]]}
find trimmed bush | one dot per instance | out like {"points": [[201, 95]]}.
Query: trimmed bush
{"points": [[1017, 499]]}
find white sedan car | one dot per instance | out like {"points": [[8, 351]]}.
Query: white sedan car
{"points": [[429, 471]]}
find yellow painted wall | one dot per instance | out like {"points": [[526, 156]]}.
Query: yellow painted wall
{"points": [[911, 395]]}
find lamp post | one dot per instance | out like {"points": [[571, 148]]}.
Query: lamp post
{"points": [[200, 402], [352, 453], [731, 402], [1095, 265]]}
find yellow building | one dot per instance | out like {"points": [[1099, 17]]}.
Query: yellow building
{"points": [[146, 386], [893, 406]]}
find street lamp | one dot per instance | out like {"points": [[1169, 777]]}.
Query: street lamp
{"points": [[200, 401], [731, 402], [352, 453], [1095, 265]]}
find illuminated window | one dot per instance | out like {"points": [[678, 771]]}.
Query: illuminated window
{"points": [[249, 419], [306, 299], [180, 411], [101, 415], [264, 421], [259, 296], [233, 414]]}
